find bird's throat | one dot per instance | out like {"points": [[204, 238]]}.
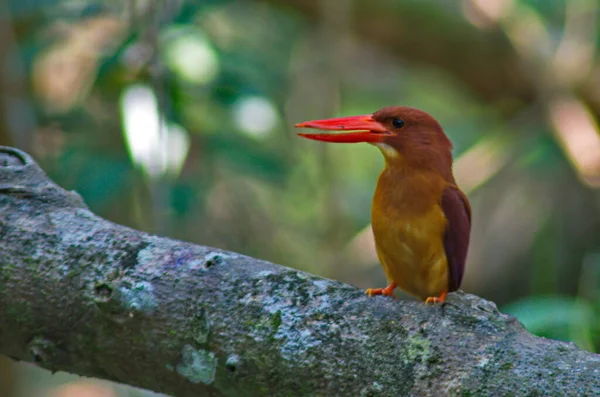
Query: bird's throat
{"points": [[388, 151]]}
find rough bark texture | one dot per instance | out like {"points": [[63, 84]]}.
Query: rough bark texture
{"points": [[83, 295]]}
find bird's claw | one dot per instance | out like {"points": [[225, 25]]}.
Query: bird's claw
{"points": [[432, 300], [376, 291], [436, 299], [387, 291]]}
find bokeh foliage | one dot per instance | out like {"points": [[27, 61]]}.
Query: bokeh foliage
{"points": [[515, 83]]}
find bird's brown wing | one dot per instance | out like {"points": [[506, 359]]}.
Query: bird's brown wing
{"points": [[456, 238]]}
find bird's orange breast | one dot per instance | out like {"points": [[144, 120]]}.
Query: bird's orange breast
{"points": [[409, 225]]}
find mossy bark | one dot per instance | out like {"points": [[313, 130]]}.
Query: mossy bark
{"points": [[83, 295]]}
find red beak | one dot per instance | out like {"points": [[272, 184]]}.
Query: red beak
{"points": [[365, 127]]}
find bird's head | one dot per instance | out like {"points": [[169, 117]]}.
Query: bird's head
{"points": [[405, 135]]}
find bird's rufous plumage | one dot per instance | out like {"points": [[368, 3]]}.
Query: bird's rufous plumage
{"points": [[421, 220]]}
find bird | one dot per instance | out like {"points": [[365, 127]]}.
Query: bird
{"points": [[420, 218]]}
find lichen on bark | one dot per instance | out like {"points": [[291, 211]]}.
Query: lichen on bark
{"points": [[83, 295]]}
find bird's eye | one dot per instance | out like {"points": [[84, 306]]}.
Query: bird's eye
{"points": [[398, 123]]}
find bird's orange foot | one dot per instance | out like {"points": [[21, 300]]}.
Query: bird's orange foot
{"points": [[436, 299], [387, 291]]}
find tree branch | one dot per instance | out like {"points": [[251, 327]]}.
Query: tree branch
{"points": [[417, 32], [83, 295]]}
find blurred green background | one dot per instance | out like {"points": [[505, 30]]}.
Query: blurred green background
{"points": [[176, 117]]}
